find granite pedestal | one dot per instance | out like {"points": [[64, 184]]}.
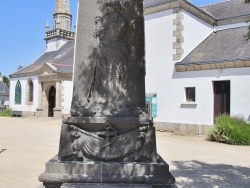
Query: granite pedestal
{"points": [[107, 174]]}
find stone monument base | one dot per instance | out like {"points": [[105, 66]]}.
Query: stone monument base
{"points": [[84, 185], [81, 185], [106, 174]]}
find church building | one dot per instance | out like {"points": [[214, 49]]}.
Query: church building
{"points": [[197, 65], [44, 88]]}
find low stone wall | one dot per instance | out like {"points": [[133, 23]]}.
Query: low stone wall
{"points": [[57, 114], [179, 128], [2, 109], [28, 114]]}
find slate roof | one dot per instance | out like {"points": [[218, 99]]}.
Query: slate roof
{"points": [[62, 59], [228, 9], [223, 46], [4, 90], [222, 10]]}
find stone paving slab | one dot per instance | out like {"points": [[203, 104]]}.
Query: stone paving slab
{"points": [[26, 144]]}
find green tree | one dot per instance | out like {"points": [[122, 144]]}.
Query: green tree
{"points": [[6, 80]]}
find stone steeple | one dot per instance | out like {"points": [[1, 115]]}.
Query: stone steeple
{"points": [[62, 22], [62, 16], [62, 6]]}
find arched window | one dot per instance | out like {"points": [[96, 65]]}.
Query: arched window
{"points": [[18, 93], [30, 91]]}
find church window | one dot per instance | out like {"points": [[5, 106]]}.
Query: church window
{"points": [[30, 91], [18, 93]]}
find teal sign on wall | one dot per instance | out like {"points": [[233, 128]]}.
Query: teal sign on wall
{"points": [[148, 99], [152, 102], [154, 107]]}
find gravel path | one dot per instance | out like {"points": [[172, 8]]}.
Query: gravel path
{"points": [[26, 144]]}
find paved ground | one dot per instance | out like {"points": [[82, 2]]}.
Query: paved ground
{"points": [[26, 144]]}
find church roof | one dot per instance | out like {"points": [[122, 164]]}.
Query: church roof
{"points": [[62, 59], [4, 90], [221, 46], [228, 9]]}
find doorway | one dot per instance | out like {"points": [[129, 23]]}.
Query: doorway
{"points": [[221, 98], [52, 101]]}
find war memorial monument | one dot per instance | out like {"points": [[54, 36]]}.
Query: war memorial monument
{"points": [[109, 140]]}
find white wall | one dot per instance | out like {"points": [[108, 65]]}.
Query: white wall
{"points": [[67, 93], [159, 52], [203, 82], [23, 106], [160, 65], [55, 44], [172, 106], [240, 91], [195, 31]]}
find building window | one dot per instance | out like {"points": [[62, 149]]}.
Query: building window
{"points": [[18, 93], [30, 91], [190, 94]]}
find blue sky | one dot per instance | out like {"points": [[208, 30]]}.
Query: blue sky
{"points": [[23, 30]]}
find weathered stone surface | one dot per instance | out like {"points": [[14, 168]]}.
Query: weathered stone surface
{"points": [[156, 173], [108, 142], [78, 185], [109, 65], [83, 185], [101, 120]]}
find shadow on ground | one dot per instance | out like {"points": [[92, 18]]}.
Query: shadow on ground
{"points": [[198, 174], [2, 150]]}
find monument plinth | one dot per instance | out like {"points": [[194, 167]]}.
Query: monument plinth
{"points": [[109, 140]]}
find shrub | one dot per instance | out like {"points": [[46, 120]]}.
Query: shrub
{"points": [[230, 130], [7, 113]]}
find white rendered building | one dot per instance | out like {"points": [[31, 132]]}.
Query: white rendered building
{"points": [[197, 62], [197, 66]]}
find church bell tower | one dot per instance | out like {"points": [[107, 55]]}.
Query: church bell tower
{"points": [[62, 22], [62, 16]]}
